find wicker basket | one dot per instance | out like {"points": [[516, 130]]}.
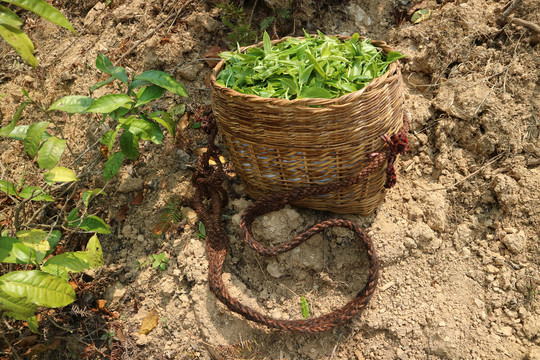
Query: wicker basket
{"points": [[279, 144]]}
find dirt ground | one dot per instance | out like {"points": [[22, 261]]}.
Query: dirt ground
{"points": [[458, 237]]}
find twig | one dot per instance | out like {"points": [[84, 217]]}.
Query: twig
{"points": [[510, 7], [6, 340], [476, 172], [252, 11], [529, 25], [152, 32]]}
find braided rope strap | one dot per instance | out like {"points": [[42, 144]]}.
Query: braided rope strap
{"points": [[208, 186]]}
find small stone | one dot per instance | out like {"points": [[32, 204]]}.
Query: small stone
{"points": [[142, 340], [534, 354], [425, 238], [479, 303], [515, 242], [531, 326], [506, 331], [114, 293], [190, 72], [130, 184], [273, 270]]}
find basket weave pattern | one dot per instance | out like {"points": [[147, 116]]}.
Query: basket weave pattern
{"points": [[279, 144]]}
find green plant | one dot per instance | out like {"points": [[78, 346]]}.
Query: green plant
{"points": [[234, 17], [109, 336], [21, 292], [278, 15], [315, 67], [304, 307], [158, 261], [129, 118], [202, 231], [10, 25]]}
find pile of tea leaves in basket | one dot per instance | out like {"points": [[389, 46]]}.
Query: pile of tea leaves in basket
{"points": [[317, 66]]}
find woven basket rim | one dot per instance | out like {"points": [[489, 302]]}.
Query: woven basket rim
{"points": [[308, 102]]}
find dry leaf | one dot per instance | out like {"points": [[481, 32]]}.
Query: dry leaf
{"points": [[149, 322], [212, 56], [101, 306], [121, 216], [138, 199], [27, 341]]}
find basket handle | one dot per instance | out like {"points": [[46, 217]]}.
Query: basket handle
{"points": [[208, 185]]}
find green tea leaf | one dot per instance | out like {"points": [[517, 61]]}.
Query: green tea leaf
{"points": [[61, 265], [267, 43], [90, 194], [129, 144], [50, 151], [18, 308], [44, 10], [94, 252], [315, 92], [160, 79], [35, 239], [37, 287], [393, 56], [8, 17], [101, 84], [108, 103], [109, 138], [33, 137], [60, 174], [166, 120], [53, 239], [104, 64], [5, 131], [73, 104], [35, 193], [304, 307], [19, 133], [20, 42], [6, 250], [112, 165], [7, 187], [92, 223], [148, 94], [145, 129]]}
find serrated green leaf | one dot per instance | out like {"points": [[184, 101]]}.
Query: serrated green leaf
{"points": [[73, 104], [94, 252], [160, 79], [8, 187], [8, 17], [35, 193], [108, 103], [95, 224], [5, 131], [44, 10], [148, 94], [112, 165], [60, 174], [63, 264], [20, 42], [104, 64], [90, 194], [34, 136], [129, 144], [38, 287], [50, 152]]}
